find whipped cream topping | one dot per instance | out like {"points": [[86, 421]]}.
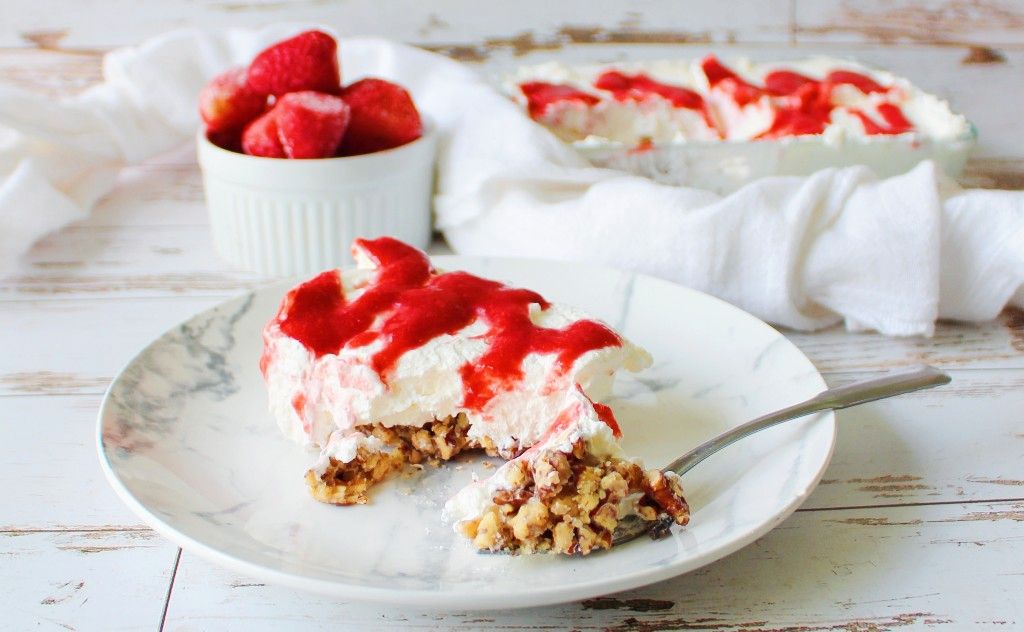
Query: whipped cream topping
{"points": [[636, 103], [344, 445], [395, 342]]}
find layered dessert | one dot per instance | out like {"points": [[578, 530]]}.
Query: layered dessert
{"points": [[707, 100], [395, 363]]}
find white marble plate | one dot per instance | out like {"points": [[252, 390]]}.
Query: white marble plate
{"points": [[187, 442]]}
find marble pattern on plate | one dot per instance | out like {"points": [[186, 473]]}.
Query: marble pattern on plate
{"points": [[190, 444]]}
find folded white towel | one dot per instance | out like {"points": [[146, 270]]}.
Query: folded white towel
{"points": [[840, 245]]}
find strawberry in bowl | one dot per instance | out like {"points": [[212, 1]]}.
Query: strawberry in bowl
{"points": [[296, 164]]}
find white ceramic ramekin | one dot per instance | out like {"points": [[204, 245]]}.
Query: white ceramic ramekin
{"points": [[298, 217]]}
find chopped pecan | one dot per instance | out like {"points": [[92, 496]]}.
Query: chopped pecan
{"points": [[551, 471], [667, 492]]}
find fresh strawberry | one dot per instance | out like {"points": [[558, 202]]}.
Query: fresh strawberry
{"points": [[227, 104], [308, 61], [383, 116], [310, 124], [260, 137]]}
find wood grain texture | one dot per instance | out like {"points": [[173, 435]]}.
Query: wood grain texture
{"points": [[79, 342], [110, 261], [84, 580], [53, 73], [954, 345], [461, 28], [450, 24], [864, 569], [951, 22], [50, 477], [927, 447], [958, 442], [78, 346]]}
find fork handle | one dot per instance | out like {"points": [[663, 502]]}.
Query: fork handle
{"points": [[832, 399]]}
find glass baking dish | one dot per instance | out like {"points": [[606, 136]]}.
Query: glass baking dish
{"points": [[724, 166]]}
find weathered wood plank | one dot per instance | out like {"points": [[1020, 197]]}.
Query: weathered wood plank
{"points": [[50, 476], [109, 261], [979, 22], [455, 23], [955, 345], [166, 194], [994, 173], [52, 73], [68, 346], [954, 567], [84, 580], [959, 443]]}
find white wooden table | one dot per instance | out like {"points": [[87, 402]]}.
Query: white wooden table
{"points": [[919, 521]]}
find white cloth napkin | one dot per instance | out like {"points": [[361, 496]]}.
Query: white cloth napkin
{"points": [[838, 246]]}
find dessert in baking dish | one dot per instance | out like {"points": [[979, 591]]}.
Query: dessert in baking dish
{"points": [[718, 126], [397, 363], [708, 100]]}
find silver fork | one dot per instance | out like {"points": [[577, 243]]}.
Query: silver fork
{"points": [[632, 527]]}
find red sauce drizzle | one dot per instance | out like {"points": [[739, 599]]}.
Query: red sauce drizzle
{"points": [[264, 360], [567, 416], [895, 122], [717, 72], [604, 413], [639, 87], [299, 404], [865, 84], [805, 110], [540, 96], [804, 105], [408, 305], [721, 77], [783, 82]]}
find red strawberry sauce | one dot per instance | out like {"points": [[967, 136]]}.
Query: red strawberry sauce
{"points": [[409, 304], [540, 96], [637, 87], [604, 413], [804, 105], [895, 122], [565, 419]]}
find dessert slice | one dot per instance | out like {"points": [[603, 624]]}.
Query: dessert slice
{"points": [[396, 363]]}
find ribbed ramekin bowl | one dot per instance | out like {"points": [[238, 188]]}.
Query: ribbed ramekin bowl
{"points": [[298, 217]]}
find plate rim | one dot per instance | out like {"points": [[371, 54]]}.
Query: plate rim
{"points": [[467, 600]]}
